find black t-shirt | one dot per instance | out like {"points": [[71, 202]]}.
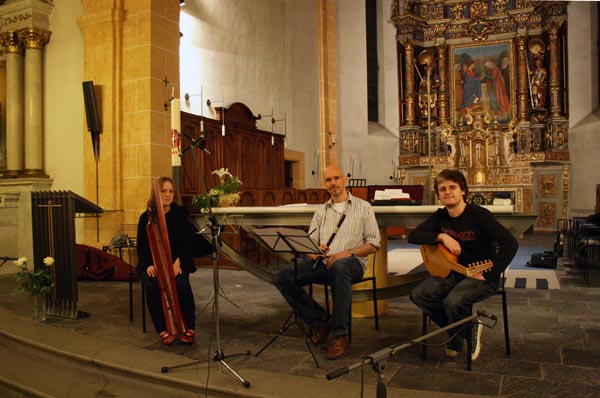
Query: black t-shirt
{"points": [[479, 234], [180, 232]]}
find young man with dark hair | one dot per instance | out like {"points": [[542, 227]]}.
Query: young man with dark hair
{"points": [[471, 233]]}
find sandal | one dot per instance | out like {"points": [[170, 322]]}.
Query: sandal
{"points": [[166, 337], [188, 337]]}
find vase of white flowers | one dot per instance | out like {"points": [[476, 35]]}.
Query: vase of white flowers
{"points": [[225, 193], [37, 284]]}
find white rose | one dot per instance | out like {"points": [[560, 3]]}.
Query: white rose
{"points": [[21, 261], [48, 261]]}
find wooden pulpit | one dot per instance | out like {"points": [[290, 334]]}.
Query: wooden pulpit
{"points": [[53, 225]]}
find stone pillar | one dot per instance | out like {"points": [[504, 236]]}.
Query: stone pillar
{"points": [[523, 81], [33, 40], [555, 90], [327, 31], [409, 78], [129, 48], [14, 104]]}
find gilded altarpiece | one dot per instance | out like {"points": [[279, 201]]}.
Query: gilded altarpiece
{"points": [[482, 89]]}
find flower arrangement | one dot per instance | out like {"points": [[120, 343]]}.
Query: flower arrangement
{"points": [[37, 282], [225, 193]]}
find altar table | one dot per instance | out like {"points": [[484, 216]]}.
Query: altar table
{"points": [[387, 216]]}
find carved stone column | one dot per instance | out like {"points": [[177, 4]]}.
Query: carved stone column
{"points": [[327, 29], [34, 40], [14, 101], [523, 81], [555, 90], [443, 89], [409, 78]]}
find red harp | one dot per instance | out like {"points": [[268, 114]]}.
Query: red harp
{"points": [[158, 238]]}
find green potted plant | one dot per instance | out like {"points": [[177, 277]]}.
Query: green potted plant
{"points": [[225, 193]]}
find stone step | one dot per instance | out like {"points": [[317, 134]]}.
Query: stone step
{"points": [[41, 360], [34, 370]]}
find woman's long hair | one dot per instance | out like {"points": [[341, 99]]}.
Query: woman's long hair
{"points": [[161, 182]]}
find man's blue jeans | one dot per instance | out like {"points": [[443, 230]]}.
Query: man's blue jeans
{"points": [[341, 275], [448, 300]]}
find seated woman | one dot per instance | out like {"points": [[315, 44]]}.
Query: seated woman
{"points": [[181, 234]]}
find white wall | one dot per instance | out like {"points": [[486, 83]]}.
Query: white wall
{"points": [[64, 112], [584, 117], [263, 53], [64, 122], [389, 117], [371, 149], [304, 56], [583, 60]]}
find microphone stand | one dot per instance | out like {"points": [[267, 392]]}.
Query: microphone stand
{"points": [[218, 356], [378, 359], [200, 143], [5, 259]]}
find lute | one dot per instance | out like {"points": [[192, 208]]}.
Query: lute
{"points": [[439, 262]]}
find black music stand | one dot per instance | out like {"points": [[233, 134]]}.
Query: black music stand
{"points": [[295, 241]]}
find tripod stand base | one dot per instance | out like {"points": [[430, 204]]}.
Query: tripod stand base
{"points": [[292, 319], [222, 294], [218, 356]]}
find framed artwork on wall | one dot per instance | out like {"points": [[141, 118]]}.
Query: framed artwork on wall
{"points": [[483, 75]]}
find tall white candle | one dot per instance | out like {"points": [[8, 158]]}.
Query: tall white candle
{"points": [[176, 115], [175, 131]]}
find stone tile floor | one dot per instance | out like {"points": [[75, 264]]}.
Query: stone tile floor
{"points": [[555, 336]]}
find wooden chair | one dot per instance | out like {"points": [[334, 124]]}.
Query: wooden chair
{"points": [[357, 182], [372, 279]]}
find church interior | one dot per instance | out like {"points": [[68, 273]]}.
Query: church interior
{"points": [[100, 98]]}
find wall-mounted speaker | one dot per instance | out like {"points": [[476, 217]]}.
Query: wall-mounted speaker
{"points": [[91, 107]]}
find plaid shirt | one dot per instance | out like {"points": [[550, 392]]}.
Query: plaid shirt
{"points": [[358, 228]]}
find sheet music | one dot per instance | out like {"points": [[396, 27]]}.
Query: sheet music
{"points": [[287, 240]]}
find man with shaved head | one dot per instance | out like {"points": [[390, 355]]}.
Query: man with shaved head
{"points": [[346, 231]]}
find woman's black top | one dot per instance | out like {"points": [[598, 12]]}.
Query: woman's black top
{"points": [[181, 234]]}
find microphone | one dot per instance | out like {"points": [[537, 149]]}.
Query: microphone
{"points": [[199, 143], [485, 314], [337, 373]]}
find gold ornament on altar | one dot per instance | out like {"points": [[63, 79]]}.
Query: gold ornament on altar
{"points": [[426, 57], [536, 46]]}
